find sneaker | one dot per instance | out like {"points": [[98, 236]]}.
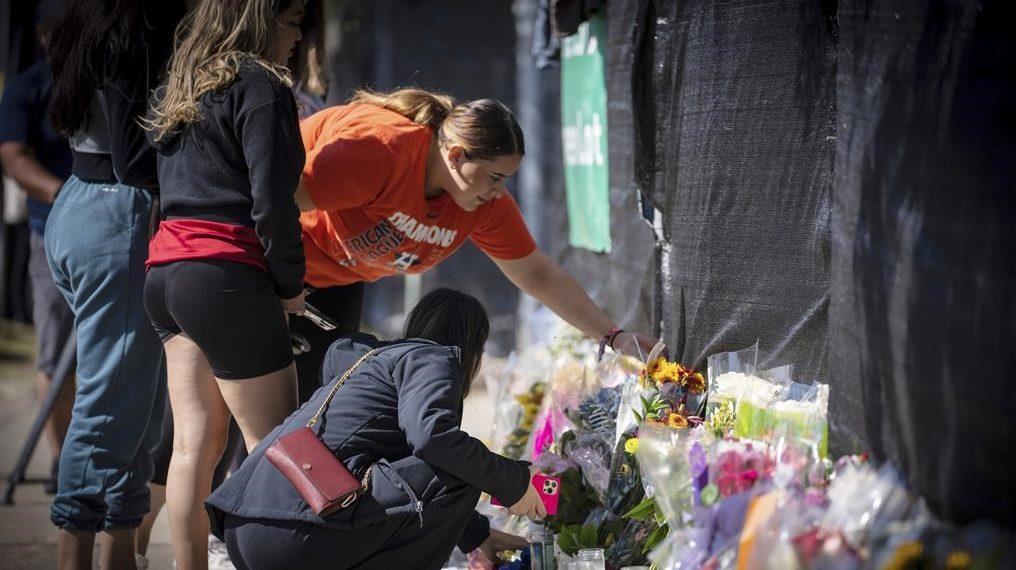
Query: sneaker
{"points": [[140, 561], [218, 556]]}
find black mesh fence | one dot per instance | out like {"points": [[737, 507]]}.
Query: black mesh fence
{"points": [[923, 314]]}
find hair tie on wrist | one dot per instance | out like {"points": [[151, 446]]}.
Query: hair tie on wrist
{"points": [[608, 339]]}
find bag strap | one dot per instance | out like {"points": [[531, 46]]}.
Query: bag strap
{"points": [[341, 381]]}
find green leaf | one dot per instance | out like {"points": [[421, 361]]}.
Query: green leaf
{"points": [[658, 515], [655, 538], [642, 510], [587, 536], [566, 540]]}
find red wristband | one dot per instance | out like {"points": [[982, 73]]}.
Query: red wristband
{"points": [[608, 339]]}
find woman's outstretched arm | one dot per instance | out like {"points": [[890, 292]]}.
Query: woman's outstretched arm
{"points": [[539, 276]]}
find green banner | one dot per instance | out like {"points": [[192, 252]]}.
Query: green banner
{"points": [[584, 135]]}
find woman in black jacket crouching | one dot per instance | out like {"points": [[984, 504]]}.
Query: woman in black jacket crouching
{"points": [[398, 416]]}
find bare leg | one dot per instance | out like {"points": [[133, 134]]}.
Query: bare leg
{"points": [[56, 426], [201, 420], [144, 533], [116, 549], [74, 549], [259, 404]]}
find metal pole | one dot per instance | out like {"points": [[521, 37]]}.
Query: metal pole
{"points": [[64, 365]]}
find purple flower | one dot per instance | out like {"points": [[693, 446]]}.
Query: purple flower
{"points": [[699, 471]]}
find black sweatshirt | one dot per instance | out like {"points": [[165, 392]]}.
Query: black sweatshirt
{"points": [[404, 401], [240, 164], [126, 82]]}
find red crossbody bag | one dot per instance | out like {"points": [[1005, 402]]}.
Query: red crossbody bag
{"points": [[312, 468]]}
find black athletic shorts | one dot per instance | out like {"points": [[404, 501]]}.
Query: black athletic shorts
{"points": [[230, 310]]}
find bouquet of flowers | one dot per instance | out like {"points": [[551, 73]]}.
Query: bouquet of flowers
{"points": [[764, 404]]}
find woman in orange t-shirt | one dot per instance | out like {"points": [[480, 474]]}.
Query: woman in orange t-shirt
{"points": [[395, 183]]}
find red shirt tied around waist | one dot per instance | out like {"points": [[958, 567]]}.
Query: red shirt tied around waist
{"points": [[182, 239], [365, 172]]}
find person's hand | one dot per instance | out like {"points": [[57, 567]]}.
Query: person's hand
{"points": [[486, 553], [530, 505], [636, 344], [294, 305]]}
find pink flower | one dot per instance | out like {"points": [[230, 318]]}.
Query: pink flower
{"points": [[747, 479], [727, 484], [543, 438]]}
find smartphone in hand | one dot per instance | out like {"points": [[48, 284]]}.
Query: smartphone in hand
{"points": [[547, 487], [320, 319]]}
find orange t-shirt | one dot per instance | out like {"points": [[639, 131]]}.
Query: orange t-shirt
{"points": [[365, 172]]}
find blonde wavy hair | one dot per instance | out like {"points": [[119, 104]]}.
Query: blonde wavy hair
{"points": [[212, 42], [484, 128]]}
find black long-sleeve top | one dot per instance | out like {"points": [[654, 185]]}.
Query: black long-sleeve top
{"points": [[122, 93], [404, 401], [241, 163]]}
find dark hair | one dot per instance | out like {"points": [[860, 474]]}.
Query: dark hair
{"points": [[47, 14], [485, 128], [452, 318], [310, 72], [95, 39]]}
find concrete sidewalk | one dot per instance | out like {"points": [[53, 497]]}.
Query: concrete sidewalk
{"points": [[27, 538]]}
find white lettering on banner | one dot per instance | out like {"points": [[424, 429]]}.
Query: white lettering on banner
{"points": [[421, 232], [580, 44], [583, 141]]}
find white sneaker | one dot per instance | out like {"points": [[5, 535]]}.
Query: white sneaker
{"points": [[140, 561], [218, 556]]}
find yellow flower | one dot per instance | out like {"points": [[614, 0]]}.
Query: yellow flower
{"points": [[906, 554], [631, 446], [667, 372], [958, 560], [677, 421], [650, 371]]}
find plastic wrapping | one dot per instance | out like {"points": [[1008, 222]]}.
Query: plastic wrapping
{"points": [[663, 454], [796, 410], [517, 393]]}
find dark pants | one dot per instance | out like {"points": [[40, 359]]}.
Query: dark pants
{"points": [[229, 309], [344, 305], [397, 542]]}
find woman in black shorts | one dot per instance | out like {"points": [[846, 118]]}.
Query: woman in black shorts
{"points": [[226, 264]]}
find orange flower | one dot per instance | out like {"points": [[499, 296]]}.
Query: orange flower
{"points": [[694, 383], [677, 420]]}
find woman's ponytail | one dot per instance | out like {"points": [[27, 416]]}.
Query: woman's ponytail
{"points": [[421, 107]]}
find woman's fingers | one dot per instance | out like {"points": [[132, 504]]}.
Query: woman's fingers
{"points": [[635, 344], [294, 305]]}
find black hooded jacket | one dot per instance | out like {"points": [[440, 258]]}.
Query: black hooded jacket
{"points": [[404, 401]]}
